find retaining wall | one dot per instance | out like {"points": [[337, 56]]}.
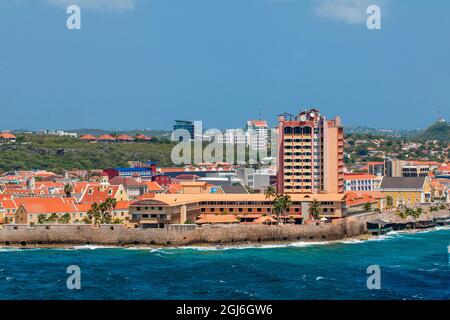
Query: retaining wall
{"points": [[117, 235]]}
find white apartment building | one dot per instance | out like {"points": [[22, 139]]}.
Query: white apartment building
{"points": [[258, 134]]}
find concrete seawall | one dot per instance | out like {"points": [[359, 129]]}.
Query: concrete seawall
{"points": [[116, 235]]}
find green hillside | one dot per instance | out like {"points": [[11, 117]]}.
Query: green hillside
{"points": [[57, 154], [440, 130]]}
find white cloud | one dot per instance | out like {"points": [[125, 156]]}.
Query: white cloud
{"points": [[348, 11], [112, 5]]}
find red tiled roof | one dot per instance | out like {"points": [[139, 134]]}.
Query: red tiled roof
{"points": [[142, 137], [47, 205], [106, 137], [7, 136], [88, 137], [359, 176], [146, 196], [123, 205], [94, 194], [172, 169], [174, 188], [425, 163], [125, 137], [153, 186], [353, 198]]}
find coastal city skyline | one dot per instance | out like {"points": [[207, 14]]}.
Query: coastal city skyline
{"points": [[265, 54], [211, 158]]}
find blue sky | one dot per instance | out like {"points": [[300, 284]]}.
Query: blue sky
{"points": [[144, 63]]}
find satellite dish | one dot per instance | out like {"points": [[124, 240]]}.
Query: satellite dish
{"points": [[312, 114], [302, 117]]}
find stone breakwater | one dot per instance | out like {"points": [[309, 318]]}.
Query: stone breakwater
{"points": [[177, 235]]}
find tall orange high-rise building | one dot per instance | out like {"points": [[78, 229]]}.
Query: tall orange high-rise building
{"points": [[310, 153]]}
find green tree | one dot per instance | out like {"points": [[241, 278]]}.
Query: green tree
{"points": [[402, 214], [94, 214], [41, 218], [367, 206], [389, 202], [106, 209], [65, 218], [53, 218], [86, 220], [68, 189], [281, 204], [315, 210]]}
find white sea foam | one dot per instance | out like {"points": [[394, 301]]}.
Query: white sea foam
{"points": [[92, 247]]}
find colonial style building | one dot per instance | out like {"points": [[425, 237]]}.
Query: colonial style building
{"points": [[407, 191], [158, 210]]}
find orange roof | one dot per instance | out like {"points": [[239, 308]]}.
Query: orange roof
{"points": [[436, 184], [8, 204], [425, 163], [125, 137], [353, 198], [83, 207], [106, 137], [359, 176], [47, 205], [142, 137], [265, 219], [49, 184], [373, 194], [146, 196], [80, 186], [174, 188], [123, 205], [92, 193], [88, 137], [172, 169], [7, 136], [217, 218], [153, 186]]}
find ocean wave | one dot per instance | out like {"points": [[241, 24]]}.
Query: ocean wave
{"points": [[299, 244], [91, 247]]}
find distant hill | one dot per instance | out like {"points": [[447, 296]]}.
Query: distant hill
{"points": [[440, 130], [99, 132], [387, 132]]}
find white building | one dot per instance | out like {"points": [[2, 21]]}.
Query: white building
{"points": [[258, 134]]}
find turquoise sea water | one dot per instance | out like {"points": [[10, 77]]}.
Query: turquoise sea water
{"points": [[413, 266]]}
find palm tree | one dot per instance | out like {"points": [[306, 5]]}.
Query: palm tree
{"points": [[315, 210], [389, 202], [282, 204], [271, 193], [68, 189], [106, 209], [94, 213]]}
